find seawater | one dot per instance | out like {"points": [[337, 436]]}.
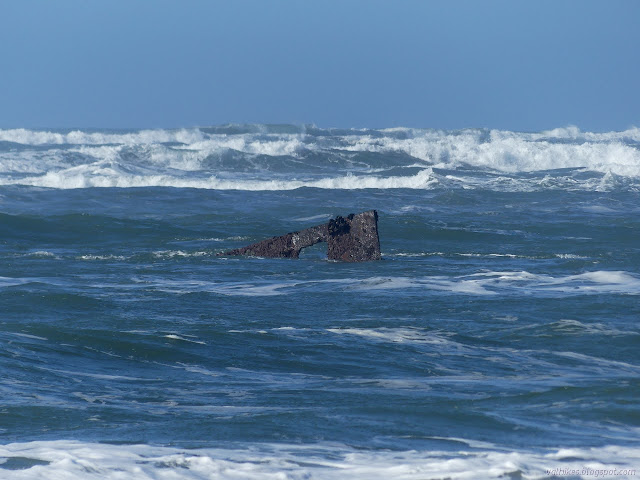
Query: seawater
{"points": [[497, 338]]}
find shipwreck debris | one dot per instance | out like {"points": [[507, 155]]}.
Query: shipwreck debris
{"points": [[351, 239]]}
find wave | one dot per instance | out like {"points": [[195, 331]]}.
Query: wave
{"points": [[12, 282], [284, 159], [112, 176], [78, 137], [519, 283], [479, 284], [463, 459]]}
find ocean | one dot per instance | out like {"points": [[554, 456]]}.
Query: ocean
{"points": [[498, 337]]}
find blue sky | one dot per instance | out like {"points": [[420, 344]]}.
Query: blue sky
{"points": [[450, 64]]}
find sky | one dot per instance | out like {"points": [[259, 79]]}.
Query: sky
{"points": [[444, 64]]}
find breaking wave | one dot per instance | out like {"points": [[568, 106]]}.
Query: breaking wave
{"points": [[278, 158], [472, 459]]}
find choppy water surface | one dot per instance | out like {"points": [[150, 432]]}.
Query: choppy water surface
{"points": [[498, 336]]}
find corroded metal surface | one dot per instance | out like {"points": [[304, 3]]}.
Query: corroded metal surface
{"points": [[351, 239]]}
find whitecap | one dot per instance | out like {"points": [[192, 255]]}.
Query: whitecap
{"points": [[78, 137], [570, 256], [169, 254], [42, 254], [74, 460], [102, 257], [174, 336], [394, 335], [106, 176], [192, 158]]}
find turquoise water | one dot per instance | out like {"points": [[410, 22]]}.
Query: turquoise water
{"points": [[498, 336]]}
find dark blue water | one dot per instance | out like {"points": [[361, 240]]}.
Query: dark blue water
{"points": [[498, 336]]}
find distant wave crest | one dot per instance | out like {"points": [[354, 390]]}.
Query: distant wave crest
{"points": [[285, 158]]}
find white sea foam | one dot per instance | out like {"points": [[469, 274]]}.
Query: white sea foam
{"points": [[107, 176], [173, 336], [394, 335], [42, 254], [194, 158], [242, 289], [465, 285], [69, 460], [510, 151], [273, 145], [601, 362], [570, 256], [519, 282], [168, 254], [490, 283], [102, 257], [78, 137], [574, 133]]}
